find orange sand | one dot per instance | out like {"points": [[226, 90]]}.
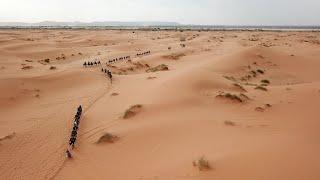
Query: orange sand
{"points": [[271, 134]]}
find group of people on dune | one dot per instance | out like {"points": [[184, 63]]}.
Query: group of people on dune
{"points": [[74, 133], [144, 53], [118, 59], [95, 63], [109, 73]]}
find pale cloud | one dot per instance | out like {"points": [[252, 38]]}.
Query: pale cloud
{"points": [[245, 12]]}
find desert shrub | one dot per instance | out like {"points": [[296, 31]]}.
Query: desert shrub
{"points": [[265, 81], [261, 88], [260, 71], [241, 98], [174, 56], [231, 78], [132, 111], [202, 163], [229, 123], [161, 67], [107, 138], [239, 87]]}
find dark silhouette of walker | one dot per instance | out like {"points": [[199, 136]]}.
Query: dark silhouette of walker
{"points": [[74, 132], [108, 72]]}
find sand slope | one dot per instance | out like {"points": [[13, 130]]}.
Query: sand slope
{"points": [[246, 101]]}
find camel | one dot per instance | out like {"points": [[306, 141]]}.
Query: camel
{"points": [[68, 154]]}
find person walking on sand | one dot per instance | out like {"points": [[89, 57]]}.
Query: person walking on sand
{"points": [[68, 154]]}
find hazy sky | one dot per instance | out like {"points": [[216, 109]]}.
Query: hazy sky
{"points": [[243, 12]]}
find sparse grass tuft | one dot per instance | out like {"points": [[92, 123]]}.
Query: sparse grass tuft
{"points": [[174, 56], [132, 111], [261, 88], [231, 78], [53, 68], [240, 98], [239, 87], [265, 81], [260, 71], [229, 123], [161, 67], [107, 138], [202, 163]]}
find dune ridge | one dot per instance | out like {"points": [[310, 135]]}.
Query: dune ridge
{"points": [[224, 105]]}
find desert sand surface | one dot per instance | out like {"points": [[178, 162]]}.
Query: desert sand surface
{"points": [[246, 103]]}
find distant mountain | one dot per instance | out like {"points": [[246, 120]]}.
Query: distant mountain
{"points": [[98, 23]]}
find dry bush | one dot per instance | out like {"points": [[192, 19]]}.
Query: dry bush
{"points": [[132, 111], [161, 67], [26, 67], [265, 81], [174, 56], [107, 138], [261, 88], [53, 68], [260, 71], [259, 109], [151, 77], [231, 78], [229, 123], [232, 97], [202, 163], [239, 87]]}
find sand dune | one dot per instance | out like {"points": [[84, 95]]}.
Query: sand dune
{"points": [[245, 104]]}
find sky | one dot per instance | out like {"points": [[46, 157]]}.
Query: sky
{"points": [[202, 12]]}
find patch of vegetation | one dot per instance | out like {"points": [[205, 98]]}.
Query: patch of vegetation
{"points": [[260, 71], [108, 138], [259, 109], [231, 78], [26, 67], [261, 88], [229, 123], [239, 87], [132, 111], [231, 97], [202, 163], [53, 68], [174, 56], [241, 98], [265, 81], [161, 67]]}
